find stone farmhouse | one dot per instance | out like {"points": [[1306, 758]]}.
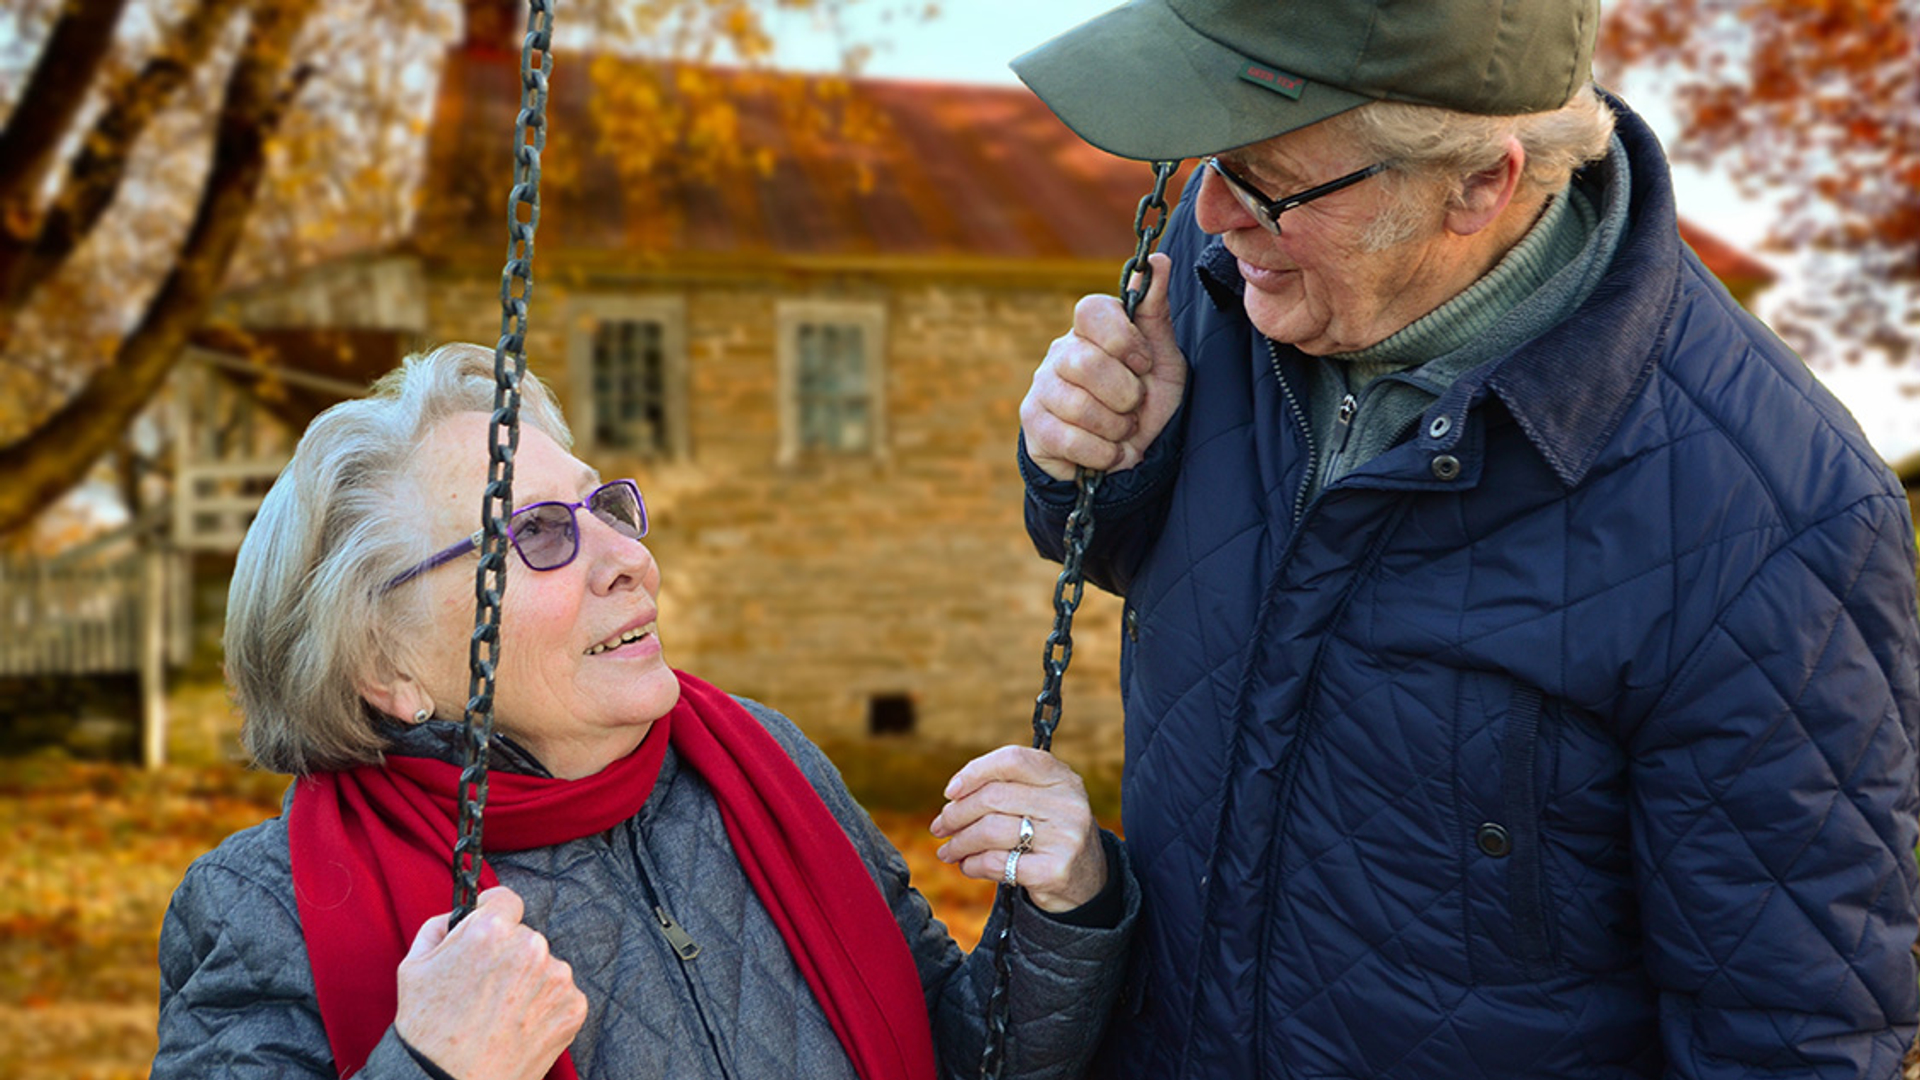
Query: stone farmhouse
{"points": [[814, 376]]}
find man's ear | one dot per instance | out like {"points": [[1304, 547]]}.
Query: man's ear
{"points": [[396, 694], [1485, 195]]}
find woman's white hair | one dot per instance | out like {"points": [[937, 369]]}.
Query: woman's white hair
{"points": [[308, 616], [1431, 146]]}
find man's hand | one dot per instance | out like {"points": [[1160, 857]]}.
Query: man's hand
{"points": [[1107, 388]]}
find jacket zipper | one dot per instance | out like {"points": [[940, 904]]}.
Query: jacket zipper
{"points": [[1343, 427], [1309, 691], [1306, 432], [682, 943], [1290, 756], [1184, 1060]]}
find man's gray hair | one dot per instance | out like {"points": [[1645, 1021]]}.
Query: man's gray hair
{"points": [[308, 617], [1434, 145]]}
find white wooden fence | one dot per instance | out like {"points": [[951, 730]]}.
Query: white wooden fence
{"points": [[101, 615], [69, 620]]}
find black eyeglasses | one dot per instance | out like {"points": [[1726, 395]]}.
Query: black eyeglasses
{"points": [[547, 534], [1267, 211]]}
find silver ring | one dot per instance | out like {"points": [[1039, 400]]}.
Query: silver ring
{"points": [[1026, 834], [1013, 869]]}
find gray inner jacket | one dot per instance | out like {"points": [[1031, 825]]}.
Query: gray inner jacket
{"points": [[237, 995]]}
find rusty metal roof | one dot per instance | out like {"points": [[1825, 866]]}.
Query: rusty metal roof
{"points": [[1728, 263], [954, 173]]}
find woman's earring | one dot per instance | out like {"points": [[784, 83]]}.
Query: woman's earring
{"points": [[423, 716]]}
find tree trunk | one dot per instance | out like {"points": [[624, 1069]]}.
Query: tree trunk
{"points": [[52, 459]]}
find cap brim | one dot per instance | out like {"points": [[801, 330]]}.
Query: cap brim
{"points": [[1140, 83]]}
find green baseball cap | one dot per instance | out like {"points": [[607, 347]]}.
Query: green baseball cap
{"points": [[1163, 79]]}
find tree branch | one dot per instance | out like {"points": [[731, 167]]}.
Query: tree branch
{"points": [[53, 458], [98, 168], [69, 61], [94, 175]]}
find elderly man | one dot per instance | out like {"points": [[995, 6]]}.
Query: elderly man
{"points": [[1519, 645]]}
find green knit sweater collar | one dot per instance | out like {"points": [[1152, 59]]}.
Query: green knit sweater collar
{"points": [[1553, 242]]}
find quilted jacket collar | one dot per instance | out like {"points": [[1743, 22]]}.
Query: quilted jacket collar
{"points": [[1611, 340], [446, 740]]}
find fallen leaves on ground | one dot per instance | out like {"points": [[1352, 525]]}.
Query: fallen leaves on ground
{"points": [[90, 855]]}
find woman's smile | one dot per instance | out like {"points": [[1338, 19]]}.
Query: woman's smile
{"points": [[634, 641]]}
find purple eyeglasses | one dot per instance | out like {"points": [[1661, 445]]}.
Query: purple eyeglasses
{"points": [[547, 534]]}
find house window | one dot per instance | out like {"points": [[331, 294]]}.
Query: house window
{"points": [[834, 397], [627, 356], [630, 387], [832, 393]]}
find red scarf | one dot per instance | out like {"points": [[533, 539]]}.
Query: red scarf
{"points": [[373, 847]]}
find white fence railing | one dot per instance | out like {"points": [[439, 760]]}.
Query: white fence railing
{"points": [[82, 619], [214, 502], [98, 615]]}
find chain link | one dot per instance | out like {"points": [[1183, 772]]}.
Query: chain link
{"points": [[1147, 233], [1067, 590], [503, 438]]}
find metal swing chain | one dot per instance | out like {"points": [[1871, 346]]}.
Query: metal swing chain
{"points": [[503, 438], [1067, 590]]}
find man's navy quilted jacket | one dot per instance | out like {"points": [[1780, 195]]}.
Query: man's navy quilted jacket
{"points": [[1573, 737]]}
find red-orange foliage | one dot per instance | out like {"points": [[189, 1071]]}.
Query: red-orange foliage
{"points": [[1817, 103]]}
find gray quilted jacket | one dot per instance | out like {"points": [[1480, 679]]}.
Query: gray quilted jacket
{"points": [[237, 996]]}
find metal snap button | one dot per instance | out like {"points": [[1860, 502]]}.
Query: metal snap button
{"points": [[1439, 428], [1493, 840], [1446, 467], [1133, 623]]}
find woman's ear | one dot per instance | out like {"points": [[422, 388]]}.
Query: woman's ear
{"points": [[1485, 195], [397, 695]]}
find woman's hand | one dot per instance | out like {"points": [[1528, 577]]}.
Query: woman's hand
{"points": [[488, 1000], [1065, 867]]}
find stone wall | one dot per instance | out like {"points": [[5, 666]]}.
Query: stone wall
{"points": [[819, 585]]}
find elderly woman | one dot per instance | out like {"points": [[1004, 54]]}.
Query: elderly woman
{"points": [[1520, 653], [685, 888]]}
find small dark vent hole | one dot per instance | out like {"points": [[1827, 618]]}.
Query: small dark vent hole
{"points": [[890, 714]]}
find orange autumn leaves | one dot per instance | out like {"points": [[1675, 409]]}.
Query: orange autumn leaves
{"points": [[90, 854]]}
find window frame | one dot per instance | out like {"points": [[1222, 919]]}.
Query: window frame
{"points": [[585, 316], [870, 316]]}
